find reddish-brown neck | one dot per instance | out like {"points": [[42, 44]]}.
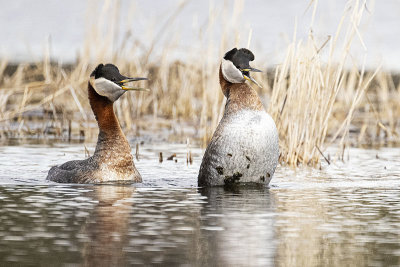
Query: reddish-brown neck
{"points": [[104, 112], [112, 146], [239, 95]]}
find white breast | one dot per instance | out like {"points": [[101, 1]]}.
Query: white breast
{"points": [[245, 143], [252, 131]]}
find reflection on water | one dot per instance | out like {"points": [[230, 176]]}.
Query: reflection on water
{"points": [[238, 226], [107, 226], [335, 217], [330, 227]]}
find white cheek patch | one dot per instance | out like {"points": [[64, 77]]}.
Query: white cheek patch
{"points": [[231, 73], [107, 88]]}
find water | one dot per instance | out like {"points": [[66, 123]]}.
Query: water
{"points": [[346, 214]]}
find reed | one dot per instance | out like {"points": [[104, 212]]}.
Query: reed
{"points": [[314, 96], [307, 88]]}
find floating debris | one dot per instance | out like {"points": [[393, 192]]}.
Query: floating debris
{"points": [[172, 157], [189, 159], [137, 151], [160, 157], [87, 153]]}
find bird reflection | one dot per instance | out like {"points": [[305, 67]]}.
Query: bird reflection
{"points": [[107, 227], [238, 226], [232, 226]]}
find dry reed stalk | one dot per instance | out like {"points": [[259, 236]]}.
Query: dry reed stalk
{"points": [[312, 96], [306, 89]]}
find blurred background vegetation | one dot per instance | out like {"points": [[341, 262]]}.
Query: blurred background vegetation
{"points": [[320, 88]]}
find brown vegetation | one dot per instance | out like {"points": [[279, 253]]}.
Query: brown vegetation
{"points": [[315, 99]]}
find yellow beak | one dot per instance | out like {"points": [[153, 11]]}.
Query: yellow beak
{"points": [[252, 80], [128, 80], [134, 88]]}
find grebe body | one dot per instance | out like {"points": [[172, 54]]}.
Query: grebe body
{"points": [[244, 147], [112, 160]]}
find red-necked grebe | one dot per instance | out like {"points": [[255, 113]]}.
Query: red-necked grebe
{"points": [[244, 147], [112, 159]]}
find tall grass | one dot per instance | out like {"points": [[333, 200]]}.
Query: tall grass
{"points": [[306, 88], [314, 96]]}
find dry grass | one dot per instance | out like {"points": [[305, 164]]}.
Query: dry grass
{"points": [[314, 98], [307, 90]]}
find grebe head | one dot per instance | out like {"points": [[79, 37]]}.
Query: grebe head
{"points": [[235, 66], [107, 81]]}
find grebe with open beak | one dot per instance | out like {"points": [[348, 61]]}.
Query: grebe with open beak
{"points": [[112, 160], [244, 147]]}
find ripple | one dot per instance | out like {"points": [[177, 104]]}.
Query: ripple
{"points": [[347, 212]]}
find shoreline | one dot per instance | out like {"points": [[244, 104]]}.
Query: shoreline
{"points": [[46, 101]]}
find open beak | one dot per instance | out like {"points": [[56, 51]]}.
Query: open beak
{"points": [[128, 80], [251, 69], [247, 76]]}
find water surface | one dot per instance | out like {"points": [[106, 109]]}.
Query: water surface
{"points": [[346, 214]]}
